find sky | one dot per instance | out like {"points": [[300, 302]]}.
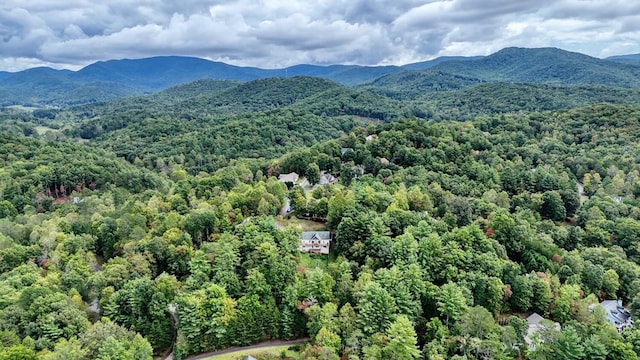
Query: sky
{"points": [[274, 34]]}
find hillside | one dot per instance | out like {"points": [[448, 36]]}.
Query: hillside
{"points": [[45, 86], [258, 95], [209, 143], [545, 65], [356, 102], [192, 89], [501, 98], [34, 172], [212, 99], [156, 73], [628, 59], [407, 85], [424, 65], [210, 123], [443, 249]]}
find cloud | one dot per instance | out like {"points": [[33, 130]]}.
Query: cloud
{"points": [[273, 33]]}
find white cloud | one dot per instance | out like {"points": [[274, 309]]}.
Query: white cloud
{"points": [[273, 33]]}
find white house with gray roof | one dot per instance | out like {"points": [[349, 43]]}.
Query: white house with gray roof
{"points": [[317, 242], [536, 322]]}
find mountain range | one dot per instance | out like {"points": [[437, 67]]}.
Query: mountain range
{"points": [[106, 80]]}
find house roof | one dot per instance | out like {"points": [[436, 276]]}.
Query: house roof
{"points": [[534, 319], [535, 325], [344, 150], [616, 313], [316, 235], [326, 178], [290, 177]]}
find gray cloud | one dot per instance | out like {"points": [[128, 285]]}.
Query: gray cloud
{"points": [[274, 33]]}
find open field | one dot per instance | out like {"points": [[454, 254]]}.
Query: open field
{"points": [[277, 349], [307, 225]]}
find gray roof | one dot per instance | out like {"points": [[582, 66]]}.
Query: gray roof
{"points": [[616, 313], [535, 324], [316, 235], [344, 150], [326, 178], [534, 319], [290, 177]]}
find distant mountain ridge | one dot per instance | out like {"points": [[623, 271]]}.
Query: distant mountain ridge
{"points": [[106, 80], [628, 59], [545, 65], [511, 65]]}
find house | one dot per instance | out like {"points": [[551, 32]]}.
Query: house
{"points": [[384, 160], [536, 322], [616, 314], [344, 150], [326, 178], [290, 177], [317, 242], [371, 137]]}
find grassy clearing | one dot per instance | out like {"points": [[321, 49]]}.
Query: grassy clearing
{"points": [[273, 350], [307, 225], [41, 130], [21, 107], [312, 261]]}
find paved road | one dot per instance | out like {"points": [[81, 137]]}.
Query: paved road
{"points": [[250, 347]]}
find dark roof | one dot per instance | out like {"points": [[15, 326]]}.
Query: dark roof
{"points": [[316, 235], [615, 312]]}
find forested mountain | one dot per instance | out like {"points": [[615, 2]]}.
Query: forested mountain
{"points": [[546, 65], [499, 98], [260, 95], [423, 65], [440, 251], [45, 86], [630, 59], [412, 84], [117, 78], [208, 143], [189, 90], [37, 172], [107, 80]]}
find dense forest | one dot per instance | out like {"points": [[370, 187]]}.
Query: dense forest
{"points": [[458, 207]]}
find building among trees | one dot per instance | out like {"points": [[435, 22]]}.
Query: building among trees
{"points": [[317, 242], [617, 314], [290, 177], [536, 323]]}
